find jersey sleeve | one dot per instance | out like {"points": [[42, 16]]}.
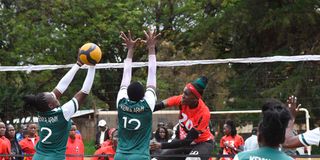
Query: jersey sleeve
{"points": [[151, 98], [122, 94], [70, 108], [311, 137], [174, 101]]}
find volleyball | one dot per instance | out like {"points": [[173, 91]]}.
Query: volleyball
{"points": [[90, 54]]}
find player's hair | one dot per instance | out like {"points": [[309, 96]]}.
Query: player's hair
{"points": [[232, 125], [38, 102], [135, 91], [275, 120]]}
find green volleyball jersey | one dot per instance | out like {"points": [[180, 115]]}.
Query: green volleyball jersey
{"points": [[54, 127], [135, 123], [264, 153]]}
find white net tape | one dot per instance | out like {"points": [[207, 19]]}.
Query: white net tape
{"points": [[30, 68]]}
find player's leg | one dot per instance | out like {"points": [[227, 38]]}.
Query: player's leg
{"points": [[204, 148]]}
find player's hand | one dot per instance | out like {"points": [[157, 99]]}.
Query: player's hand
{"points": [[293, 106], [155, 146], [151, 38], [128, 41]]}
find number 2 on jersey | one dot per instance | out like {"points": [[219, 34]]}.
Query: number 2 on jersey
{"points": [[48, 135], [130, 121]]}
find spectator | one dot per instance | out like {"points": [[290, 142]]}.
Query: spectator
{"points": [[75, 145], [28, 144], [231, 143], [108, 150], [5, 145], [19, 135], [161, 134], [102, 134], [271, 133], [251, 143], [15, 147]]}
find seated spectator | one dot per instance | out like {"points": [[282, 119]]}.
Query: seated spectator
{"points": [[102, 134], [231, 143], [108, 142], [28, 144], [75, 146], [5, 145], [108, 150], [19, 135], [251, 143], [15, 147], [271, 133]]}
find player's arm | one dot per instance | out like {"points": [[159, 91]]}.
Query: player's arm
{"points": [[192, 135], [169, 102], [127, 68], [66, 80], [292, 141], [73, 105], [150, 95]]}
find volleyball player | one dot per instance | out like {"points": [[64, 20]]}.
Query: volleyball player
{"points": [[54, 119], [135, 105], [194, 136], [271, 133], [311, 137]]}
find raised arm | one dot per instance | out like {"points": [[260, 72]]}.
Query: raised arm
{"points": [[151, 40], [291, 140], [66, 80], [87, 85], [130, 44]]}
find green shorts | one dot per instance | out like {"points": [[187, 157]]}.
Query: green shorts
{"points": [[128, 156]]}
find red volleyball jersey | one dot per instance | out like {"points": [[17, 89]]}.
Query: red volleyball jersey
{"points": [[235, 141], [197, 118]]}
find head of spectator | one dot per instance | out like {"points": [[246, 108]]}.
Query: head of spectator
{"points": [[73, 132], [2, 129], [10, 132], [272, 128], [102, 124], [193, 91], [162, 134], [32, 129], [229, 128]]}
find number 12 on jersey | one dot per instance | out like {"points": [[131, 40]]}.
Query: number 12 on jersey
{"points": [[131, 121]]}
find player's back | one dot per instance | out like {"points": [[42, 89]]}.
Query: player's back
{"points": [[53, 132], [135, 124]]}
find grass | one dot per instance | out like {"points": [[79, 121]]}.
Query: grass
{"points": [[89, 147]]}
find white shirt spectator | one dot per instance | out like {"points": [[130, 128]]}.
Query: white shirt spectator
{"points": [[251, 143]]}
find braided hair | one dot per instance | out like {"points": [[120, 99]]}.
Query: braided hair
{"points": [[39, 102], [275, 120]]}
